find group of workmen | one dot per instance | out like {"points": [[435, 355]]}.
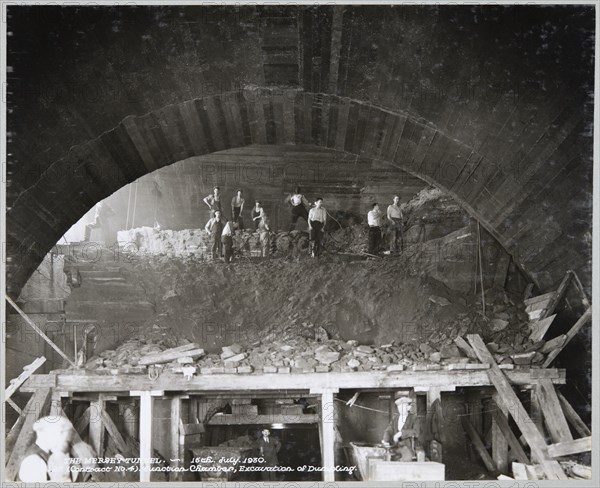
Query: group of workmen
{"points": [[223, 230]]}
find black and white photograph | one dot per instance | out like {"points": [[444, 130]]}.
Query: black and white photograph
{"points": [[285, 242]]}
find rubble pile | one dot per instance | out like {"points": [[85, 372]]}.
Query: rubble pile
{"points": [[312, 350]]}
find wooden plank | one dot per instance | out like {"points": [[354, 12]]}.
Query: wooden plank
{"points": [[15, 430], [570, 447], [519, 471], [579, 285], [83, 421], [97, 425], [560, 293], [511, 401], [174, 440], [146, 421], [168, 381], [27, 436], [464, 347], [572, 333], [553, 344], [539, 305], [328, 435], [478, 444], [14, 406], [572, 416], [235, 419], [32, 324], [539, 298], [168, 356], [499, 440], [112, 430], [554, 418], [539, 328], [528, 290], [19, 380], [501, 421]]}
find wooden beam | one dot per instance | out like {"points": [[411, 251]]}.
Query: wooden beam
{"points": [[328, 435], [572, 333], [560, 293], [171, 354], [579, 285], [176, 451], [478, 444], [570, 447], [250, 419], [539, 298], [83, 421], [501, 421], [539, 328], [32, 324], [146, 421], [14, 406], [168, 381], [499, 440], [112, 430], [511, 402], [464, 347], [96, 425], [27, 435], [19, 380], [572, 416], [554, 417], [15, 430]]}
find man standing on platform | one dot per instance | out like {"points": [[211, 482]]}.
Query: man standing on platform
{"points": [[317, 217], [374, 219], [394, 216]]}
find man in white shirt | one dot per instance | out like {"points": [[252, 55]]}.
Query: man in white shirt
{"points": [[374, 218], [317, 217], [227, 239], [394, 216]]}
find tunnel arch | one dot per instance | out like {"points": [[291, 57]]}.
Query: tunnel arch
{"points": [[142, 144]]}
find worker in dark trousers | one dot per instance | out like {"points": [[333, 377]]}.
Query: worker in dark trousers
{"points": [[237, 207], [214, 201], [227, 239], [215, 228], [298, 202], [317, 217], [374, 218], [268, 448]]}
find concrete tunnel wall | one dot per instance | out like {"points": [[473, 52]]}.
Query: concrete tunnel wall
{"points": [[491, 104]]}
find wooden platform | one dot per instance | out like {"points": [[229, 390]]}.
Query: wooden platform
{"points": [[82, 381]]}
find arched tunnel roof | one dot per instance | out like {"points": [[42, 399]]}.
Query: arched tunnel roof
{"points": [[492, 104]]}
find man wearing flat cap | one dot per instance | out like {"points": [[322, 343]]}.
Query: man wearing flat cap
{"points": [[404, 429]]}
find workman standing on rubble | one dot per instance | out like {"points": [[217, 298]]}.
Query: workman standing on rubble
{"points": [[215, 228], [374, 219], [227, 239], [214, 201], [403, 431], [317, 217], [395, 219], [299, 203]]}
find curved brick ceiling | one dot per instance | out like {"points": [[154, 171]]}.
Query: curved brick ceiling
{"points": [[492, 104]]}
